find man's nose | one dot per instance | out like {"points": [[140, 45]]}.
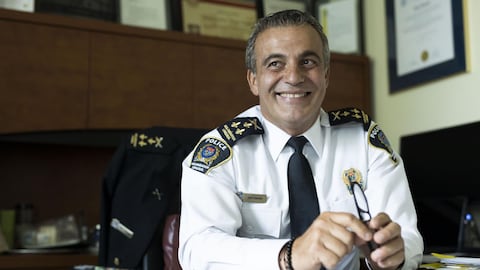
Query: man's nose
{"points": [[294, 75]]}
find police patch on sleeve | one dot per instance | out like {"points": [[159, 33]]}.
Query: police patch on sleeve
{"points": [[378, 139], [210, 153]]}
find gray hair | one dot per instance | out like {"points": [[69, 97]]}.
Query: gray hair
{"points": [[284, 18]]}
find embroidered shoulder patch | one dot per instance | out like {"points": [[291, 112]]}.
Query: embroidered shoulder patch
{"points": [[378, 139], [212, 152], [239, 128], [346, 115], [209, 153]]}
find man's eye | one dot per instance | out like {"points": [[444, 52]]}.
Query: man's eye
{"points": [[309, 63], [274, 64]]}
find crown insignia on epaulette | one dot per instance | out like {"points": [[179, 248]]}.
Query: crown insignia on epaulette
{"points": [[239, 128], [142, 140], [346, 115]]}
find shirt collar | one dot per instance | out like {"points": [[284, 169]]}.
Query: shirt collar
{"points": [[276, 139]]}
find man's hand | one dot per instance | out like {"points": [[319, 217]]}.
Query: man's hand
{"points": [[331, 236], [390, 253]]}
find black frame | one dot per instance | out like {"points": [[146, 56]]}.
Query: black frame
{"points": [[457, 64], [371, 244], [98, 9]]}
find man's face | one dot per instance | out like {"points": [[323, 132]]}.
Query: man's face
{"points": [[291, 80]]}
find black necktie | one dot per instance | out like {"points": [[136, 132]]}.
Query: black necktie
{"points": [[301, 187]]}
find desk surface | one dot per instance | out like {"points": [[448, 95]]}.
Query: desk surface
{"points": [[46, 261]]}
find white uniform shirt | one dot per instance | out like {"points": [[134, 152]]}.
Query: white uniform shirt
{"points": [[219, 230]]}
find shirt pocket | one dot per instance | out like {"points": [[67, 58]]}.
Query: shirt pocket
{"points": [[345, 204], [259, 221]]}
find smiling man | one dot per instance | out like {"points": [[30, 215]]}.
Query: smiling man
{"points": [[291, 76], [241, 208]]}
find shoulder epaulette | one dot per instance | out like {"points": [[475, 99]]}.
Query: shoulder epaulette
{"points": [[342, 116], [151, 140], [239, 128]]}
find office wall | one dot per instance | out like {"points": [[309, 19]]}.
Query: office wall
{"points": [[446, 102]]}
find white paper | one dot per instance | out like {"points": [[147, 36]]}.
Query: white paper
{"points": [[340, 22], [20, 5], [462, 260], [144, 13], [424, 34]]}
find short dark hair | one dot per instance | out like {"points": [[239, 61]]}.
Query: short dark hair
{"points": [[284, 18]]}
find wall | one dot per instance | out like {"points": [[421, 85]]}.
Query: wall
{"points": [[442, 103]]}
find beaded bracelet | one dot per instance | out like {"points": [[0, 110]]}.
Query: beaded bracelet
{"points": [[288, 257]]}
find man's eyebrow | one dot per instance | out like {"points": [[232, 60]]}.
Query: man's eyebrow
{"points": [[311, 53], [308, 53]]}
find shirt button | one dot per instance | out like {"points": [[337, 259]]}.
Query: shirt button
{"points": [[116, 261]]}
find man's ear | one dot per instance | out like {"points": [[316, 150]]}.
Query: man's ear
{"points": [[327, 77], [252, 82]]}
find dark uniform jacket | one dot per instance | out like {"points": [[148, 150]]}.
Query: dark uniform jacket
{"points": [[141, 186]]}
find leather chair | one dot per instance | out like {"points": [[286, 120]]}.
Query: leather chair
{"points": [[170, 242]]}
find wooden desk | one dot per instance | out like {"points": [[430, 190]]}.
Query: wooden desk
{"points": [[58, 261]]}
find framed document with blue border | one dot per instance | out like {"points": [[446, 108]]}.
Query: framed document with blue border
{"points": [[426, 41]]}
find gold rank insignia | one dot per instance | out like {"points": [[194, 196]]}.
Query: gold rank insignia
{"points": [[352, 175], [346, 115], [151, 140], [238, 128], [377, 138], [143, 140]]}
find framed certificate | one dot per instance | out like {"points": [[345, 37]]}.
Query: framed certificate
{"points": [[265, 7], [145, 13], [342, 23], [220, 18], [425, 41], [97, 9], [20, 5]]}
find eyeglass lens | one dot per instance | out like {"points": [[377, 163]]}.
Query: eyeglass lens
{"points": [[361, 201]]}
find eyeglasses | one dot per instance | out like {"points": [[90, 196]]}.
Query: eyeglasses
{"points": [[361, 202], [362, 207]]}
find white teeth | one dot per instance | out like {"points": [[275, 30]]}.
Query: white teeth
{"points": [[293, 95]]}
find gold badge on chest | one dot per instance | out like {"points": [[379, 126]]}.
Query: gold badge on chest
{"points": [[352, 175]]}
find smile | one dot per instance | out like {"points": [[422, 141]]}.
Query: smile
{"points": [[293, 95]]}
